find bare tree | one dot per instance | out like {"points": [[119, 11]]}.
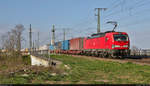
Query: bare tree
{"points": [[8, 42], [19, 30], [11, 41]]}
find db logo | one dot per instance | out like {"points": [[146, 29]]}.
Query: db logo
{"points": [[94, 43]]}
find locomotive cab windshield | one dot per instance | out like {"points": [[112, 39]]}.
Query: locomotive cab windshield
{"points": [[120, 37]]}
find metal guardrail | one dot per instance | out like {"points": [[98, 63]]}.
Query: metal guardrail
{"points": [[143, 52], [44, 54]]}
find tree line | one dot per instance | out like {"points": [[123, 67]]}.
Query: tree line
{"points": [[11, 41]]}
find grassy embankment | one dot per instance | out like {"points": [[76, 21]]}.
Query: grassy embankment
{"points": [[95, 71], [18, 70], [75, 70]]}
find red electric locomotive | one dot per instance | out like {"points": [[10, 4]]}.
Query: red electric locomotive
{"points": [[107, 44]]}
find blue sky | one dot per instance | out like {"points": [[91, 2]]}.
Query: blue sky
{"points": [[78, 17]]}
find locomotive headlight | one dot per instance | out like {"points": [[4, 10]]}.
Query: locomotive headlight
{"points": [[117, 45], [114, 46], [125, 45]]}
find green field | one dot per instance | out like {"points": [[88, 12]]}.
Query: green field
{"points": [[85, 71]]}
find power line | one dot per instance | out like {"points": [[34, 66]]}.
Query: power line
{"points": [[135, 14], [83, 28], [129, 8], [136, 22], [113, 7], [112, 4]]}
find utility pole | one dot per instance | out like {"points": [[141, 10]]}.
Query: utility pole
{"points": [[50, 37], [64, 34], [53, 35], [98, 18], [30, 38], [38, 40], [33, 46], [48, 52]]}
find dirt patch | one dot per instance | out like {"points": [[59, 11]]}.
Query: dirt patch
{"points": [[57, 82], [81, 82], [24, 70], [64, 82], [143, 61], [101, 80], [124, 77]]}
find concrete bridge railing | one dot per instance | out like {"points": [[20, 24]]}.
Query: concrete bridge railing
{"points": [[41, 60]]}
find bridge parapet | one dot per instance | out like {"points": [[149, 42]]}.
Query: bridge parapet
{"points": [[39, 59]]}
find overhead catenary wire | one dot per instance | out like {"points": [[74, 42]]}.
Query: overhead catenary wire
{"points": [[136, 22], [135, 5], [82, 25], [137, 13], [113, 6], [79, 30], [78, 25]]}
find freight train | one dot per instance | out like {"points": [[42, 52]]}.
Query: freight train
{"points": [[107, 44]]}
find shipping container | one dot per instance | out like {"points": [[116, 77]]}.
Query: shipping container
{"points": [[76, 43], [58, 45], [51, 47], [65, 45]]}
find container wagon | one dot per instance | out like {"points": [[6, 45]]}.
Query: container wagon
{"points": [[65, 45], [76, 45], [57, 45]]}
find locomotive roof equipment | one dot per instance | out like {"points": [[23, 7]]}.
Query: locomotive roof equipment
{"points": [[114, 23]]}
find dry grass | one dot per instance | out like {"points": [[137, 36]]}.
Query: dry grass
{"points": [[10, 63], [16, 69]]}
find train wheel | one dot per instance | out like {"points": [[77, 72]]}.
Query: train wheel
{"points": [[110, 56], [106, 55], [121, 57], [99, 55], [113, 56], [92, 53], [88, 53], [102, 55], [96, 55]]}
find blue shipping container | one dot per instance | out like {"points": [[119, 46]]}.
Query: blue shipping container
{"points": [[58, 45], [65, 45], [51, 47]]}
